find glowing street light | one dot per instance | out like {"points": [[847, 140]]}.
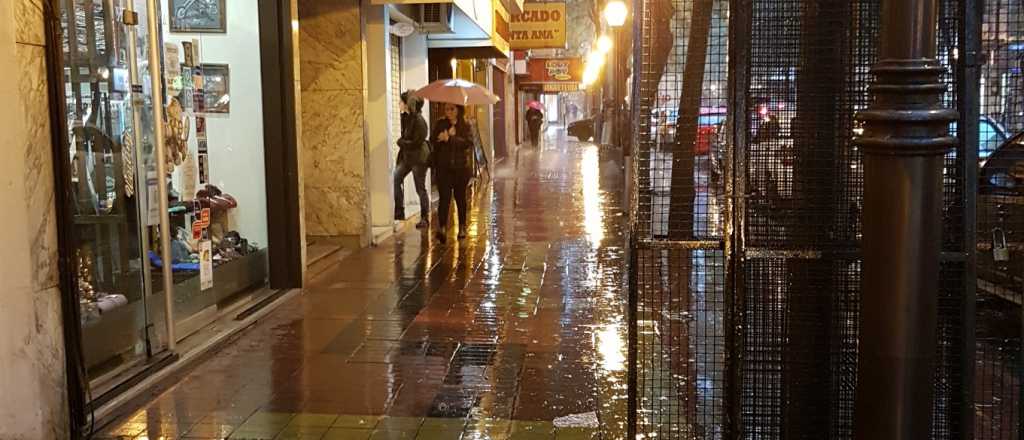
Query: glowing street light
{"points": [[615, 13], [604, 44]]}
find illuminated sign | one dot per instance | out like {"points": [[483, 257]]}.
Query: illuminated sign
{"points": [[554, 70], [541, 25]]}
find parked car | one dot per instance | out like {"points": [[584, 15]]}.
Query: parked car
{"points": [[991, 136], [582, 129], [709, 124], [1000, 244]]}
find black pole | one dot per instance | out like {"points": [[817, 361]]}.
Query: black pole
{"points": [[906, 134]]}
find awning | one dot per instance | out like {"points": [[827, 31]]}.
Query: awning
{"points": [[482, 32]]}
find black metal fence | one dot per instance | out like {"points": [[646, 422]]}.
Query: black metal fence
{"points": [[746, 219]]}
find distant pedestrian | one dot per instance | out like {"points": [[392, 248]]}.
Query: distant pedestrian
{"points": [[413, 156], [452, 138], [534, 119]]}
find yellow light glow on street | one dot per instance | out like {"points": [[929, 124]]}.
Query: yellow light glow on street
{"points": [[595, 59], [615, 13], [592, 68], [604, 44]]}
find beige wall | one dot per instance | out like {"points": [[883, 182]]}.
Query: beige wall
{"points": [[32, 401], [333, 153]]}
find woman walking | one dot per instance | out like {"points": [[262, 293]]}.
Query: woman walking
{"points": [[453, 166], [413, 155]]}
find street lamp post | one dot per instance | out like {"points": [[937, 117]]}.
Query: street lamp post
{"points": [[615, 13], [906, 135]]}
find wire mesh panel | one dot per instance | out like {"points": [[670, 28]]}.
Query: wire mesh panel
{"points": [[680, 95], [1000, 223], [809, 64], [747, 229]]}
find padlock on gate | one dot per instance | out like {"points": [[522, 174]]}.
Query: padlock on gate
{"points": [[1000, 251]]}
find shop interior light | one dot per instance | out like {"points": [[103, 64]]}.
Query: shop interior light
{"points": [[455, 68], [615, 13], [604, 44]]}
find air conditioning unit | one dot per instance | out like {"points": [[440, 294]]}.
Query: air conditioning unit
{"points": [[437, 18]]}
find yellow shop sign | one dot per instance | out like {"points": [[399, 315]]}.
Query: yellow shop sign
{"points": [[540, 26]]}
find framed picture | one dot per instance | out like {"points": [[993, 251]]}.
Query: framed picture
{"points": [[198, 16], [216, 88]]}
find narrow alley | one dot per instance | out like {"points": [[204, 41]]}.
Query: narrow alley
{"points": [[491, 338]]}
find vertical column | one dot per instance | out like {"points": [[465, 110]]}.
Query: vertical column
{"points": [[33, 403], [380, 162], [906, 134]]}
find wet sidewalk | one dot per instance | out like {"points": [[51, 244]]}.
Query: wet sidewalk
{"points": [[491, 338]]}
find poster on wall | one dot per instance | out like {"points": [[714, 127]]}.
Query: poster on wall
{"points": [[205, 265], [201, 133], [203, 164], [172, 66], [198, 16], [540, 26], [188, 53], [217, 88], [199, 101], [152, 198]]}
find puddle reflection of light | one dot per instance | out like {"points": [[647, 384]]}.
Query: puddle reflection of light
{"points": [[610, 345], [593, 216]]}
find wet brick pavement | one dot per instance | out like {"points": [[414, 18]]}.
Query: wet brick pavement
{"points": [[491, 338]]}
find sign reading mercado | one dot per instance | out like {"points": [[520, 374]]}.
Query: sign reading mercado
{"points": [[540, 26]]}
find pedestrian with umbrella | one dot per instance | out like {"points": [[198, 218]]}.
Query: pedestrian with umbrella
{"points": [[534, 119], [453, 147]]}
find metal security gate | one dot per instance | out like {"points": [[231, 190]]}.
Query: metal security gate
{"points": [[746, 266]]}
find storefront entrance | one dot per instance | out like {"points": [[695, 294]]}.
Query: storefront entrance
{"points": [[173, 227]]}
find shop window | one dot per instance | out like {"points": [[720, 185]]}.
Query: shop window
{"points": [[216, 160]]}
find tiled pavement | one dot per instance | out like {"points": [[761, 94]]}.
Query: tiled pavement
{"points": [[492, 338]]}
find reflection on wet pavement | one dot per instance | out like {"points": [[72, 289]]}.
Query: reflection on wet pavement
{"points": [[492, 338]]}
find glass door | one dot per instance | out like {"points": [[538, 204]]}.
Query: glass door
{"points": [[111, 149]]}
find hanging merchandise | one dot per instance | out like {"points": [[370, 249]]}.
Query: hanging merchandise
{"points": [[176, 139]]}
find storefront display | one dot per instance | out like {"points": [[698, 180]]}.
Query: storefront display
{"points": [[213, 154], [218, 200]]}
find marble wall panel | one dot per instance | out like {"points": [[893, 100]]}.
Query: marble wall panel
{"points": [[33, 402], [28, 22], [38, 159], [330, 45], [333, 144]]}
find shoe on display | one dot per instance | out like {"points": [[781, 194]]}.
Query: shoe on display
{"points": [[422, 224], [232, 202], [219, 204], [462, 235]]}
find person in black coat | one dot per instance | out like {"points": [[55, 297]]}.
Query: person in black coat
{"points": [[413, 156], [452, 138], [534, 119]]}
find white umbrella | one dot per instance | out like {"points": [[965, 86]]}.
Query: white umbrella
{"points": [[457, 91]]}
